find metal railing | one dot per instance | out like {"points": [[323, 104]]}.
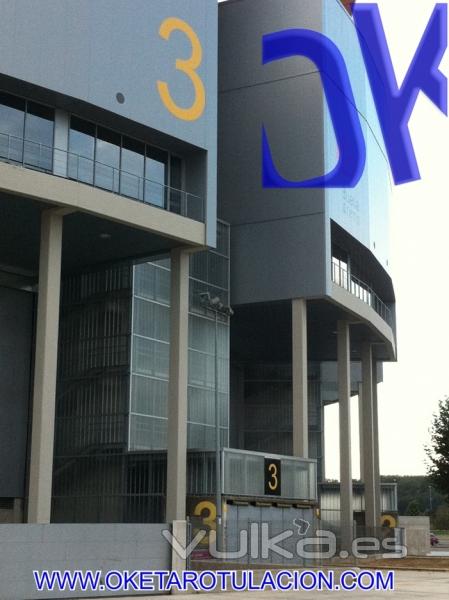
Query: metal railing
{"points": [[62, 163], [243, 475], [362, 291]]}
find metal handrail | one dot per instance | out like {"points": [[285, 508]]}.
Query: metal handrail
{"points": [[362, 291], [63, 163]]}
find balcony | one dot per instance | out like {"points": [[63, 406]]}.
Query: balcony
{"points": [[361, 290], [61, 163], [243, 475]]}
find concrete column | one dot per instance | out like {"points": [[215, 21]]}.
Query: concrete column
{"points": [[368, 435], [177, 388], [361, 442], [344, 397], [378, 495], [46, 358], [299, 379], [61, 142]]}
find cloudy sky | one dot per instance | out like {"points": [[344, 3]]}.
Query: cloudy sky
{"points": [[420, 267]]}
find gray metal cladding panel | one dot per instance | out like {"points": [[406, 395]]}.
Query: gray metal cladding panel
{"points": [[278, 260], [277, 233], [292, 113], [16, 322], [241, 27], [93, 50]]}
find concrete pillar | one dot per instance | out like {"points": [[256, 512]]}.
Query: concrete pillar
{"points": [[377, 486], [46, 357], [361, 442], [179, 531], [344, 397], [61, 142], [177, 388], [299, 379], [368, 435]]}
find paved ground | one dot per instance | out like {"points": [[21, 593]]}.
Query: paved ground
{"points": [[410, 585]]}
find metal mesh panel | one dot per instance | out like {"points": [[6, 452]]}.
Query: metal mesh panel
{"points": [[113, 387], [92, 396], [268, 411], [209, 271], [244, 476]]}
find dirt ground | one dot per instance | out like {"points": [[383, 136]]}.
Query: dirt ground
{"points": [[413, 563]]}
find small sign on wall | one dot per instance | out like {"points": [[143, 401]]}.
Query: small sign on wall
{"points": [[272, 477]]}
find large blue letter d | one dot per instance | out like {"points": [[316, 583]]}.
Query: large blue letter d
{"points": [[342, 107]]}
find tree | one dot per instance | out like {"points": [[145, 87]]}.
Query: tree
{"points": [[413, 509], [438, 451], [441, 519]]}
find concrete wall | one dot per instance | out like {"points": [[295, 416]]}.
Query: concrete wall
{"points": [[417, 534], [24, 548]]}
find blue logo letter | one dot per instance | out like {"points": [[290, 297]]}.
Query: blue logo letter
{"points": [[337, 87], [395, 105]]}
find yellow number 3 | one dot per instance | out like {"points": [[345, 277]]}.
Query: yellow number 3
{"points": [[188, 67]]}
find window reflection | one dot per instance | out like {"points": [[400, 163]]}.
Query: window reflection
{"points": [[39, 128], [26, 132], [131, 180], [12, 119], [82, 150], [156, 176], [121, 164], [107, 160], [95, 155], [175, 199]]}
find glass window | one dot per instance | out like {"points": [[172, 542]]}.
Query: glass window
{"points": [[131, 180], [39, 130], [176, 200], [156, 162], [151, 320], [107, 160], [81, 150], [12, 118], [149, 396]]}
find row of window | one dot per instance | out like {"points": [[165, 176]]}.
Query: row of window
{"points": [[106, 159], [97, 156], [26, 132]]}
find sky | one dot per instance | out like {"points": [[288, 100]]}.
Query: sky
{"points": [[419, 243], [419, 263]]}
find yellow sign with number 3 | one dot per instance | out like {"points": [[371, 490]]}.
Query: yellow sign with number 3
{"points": [[188, 67]]}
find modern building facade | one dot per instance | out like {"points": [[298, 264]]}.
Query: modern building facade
{"points": [[108, 158], [111, 237], [310, 285]]}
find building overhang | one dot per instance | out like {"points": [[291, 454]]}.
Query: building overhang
{"points": [[64, 193], [100, 227], [360, 313]]}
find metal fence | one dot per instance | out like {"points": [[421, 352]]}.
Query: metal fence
{"points": [[362, 291], [243, 475], [49, 159]]}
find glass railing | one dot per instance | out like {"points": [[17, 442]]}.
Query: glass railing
{"points": [[243, 475], [342, 277], [48, 159]]}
